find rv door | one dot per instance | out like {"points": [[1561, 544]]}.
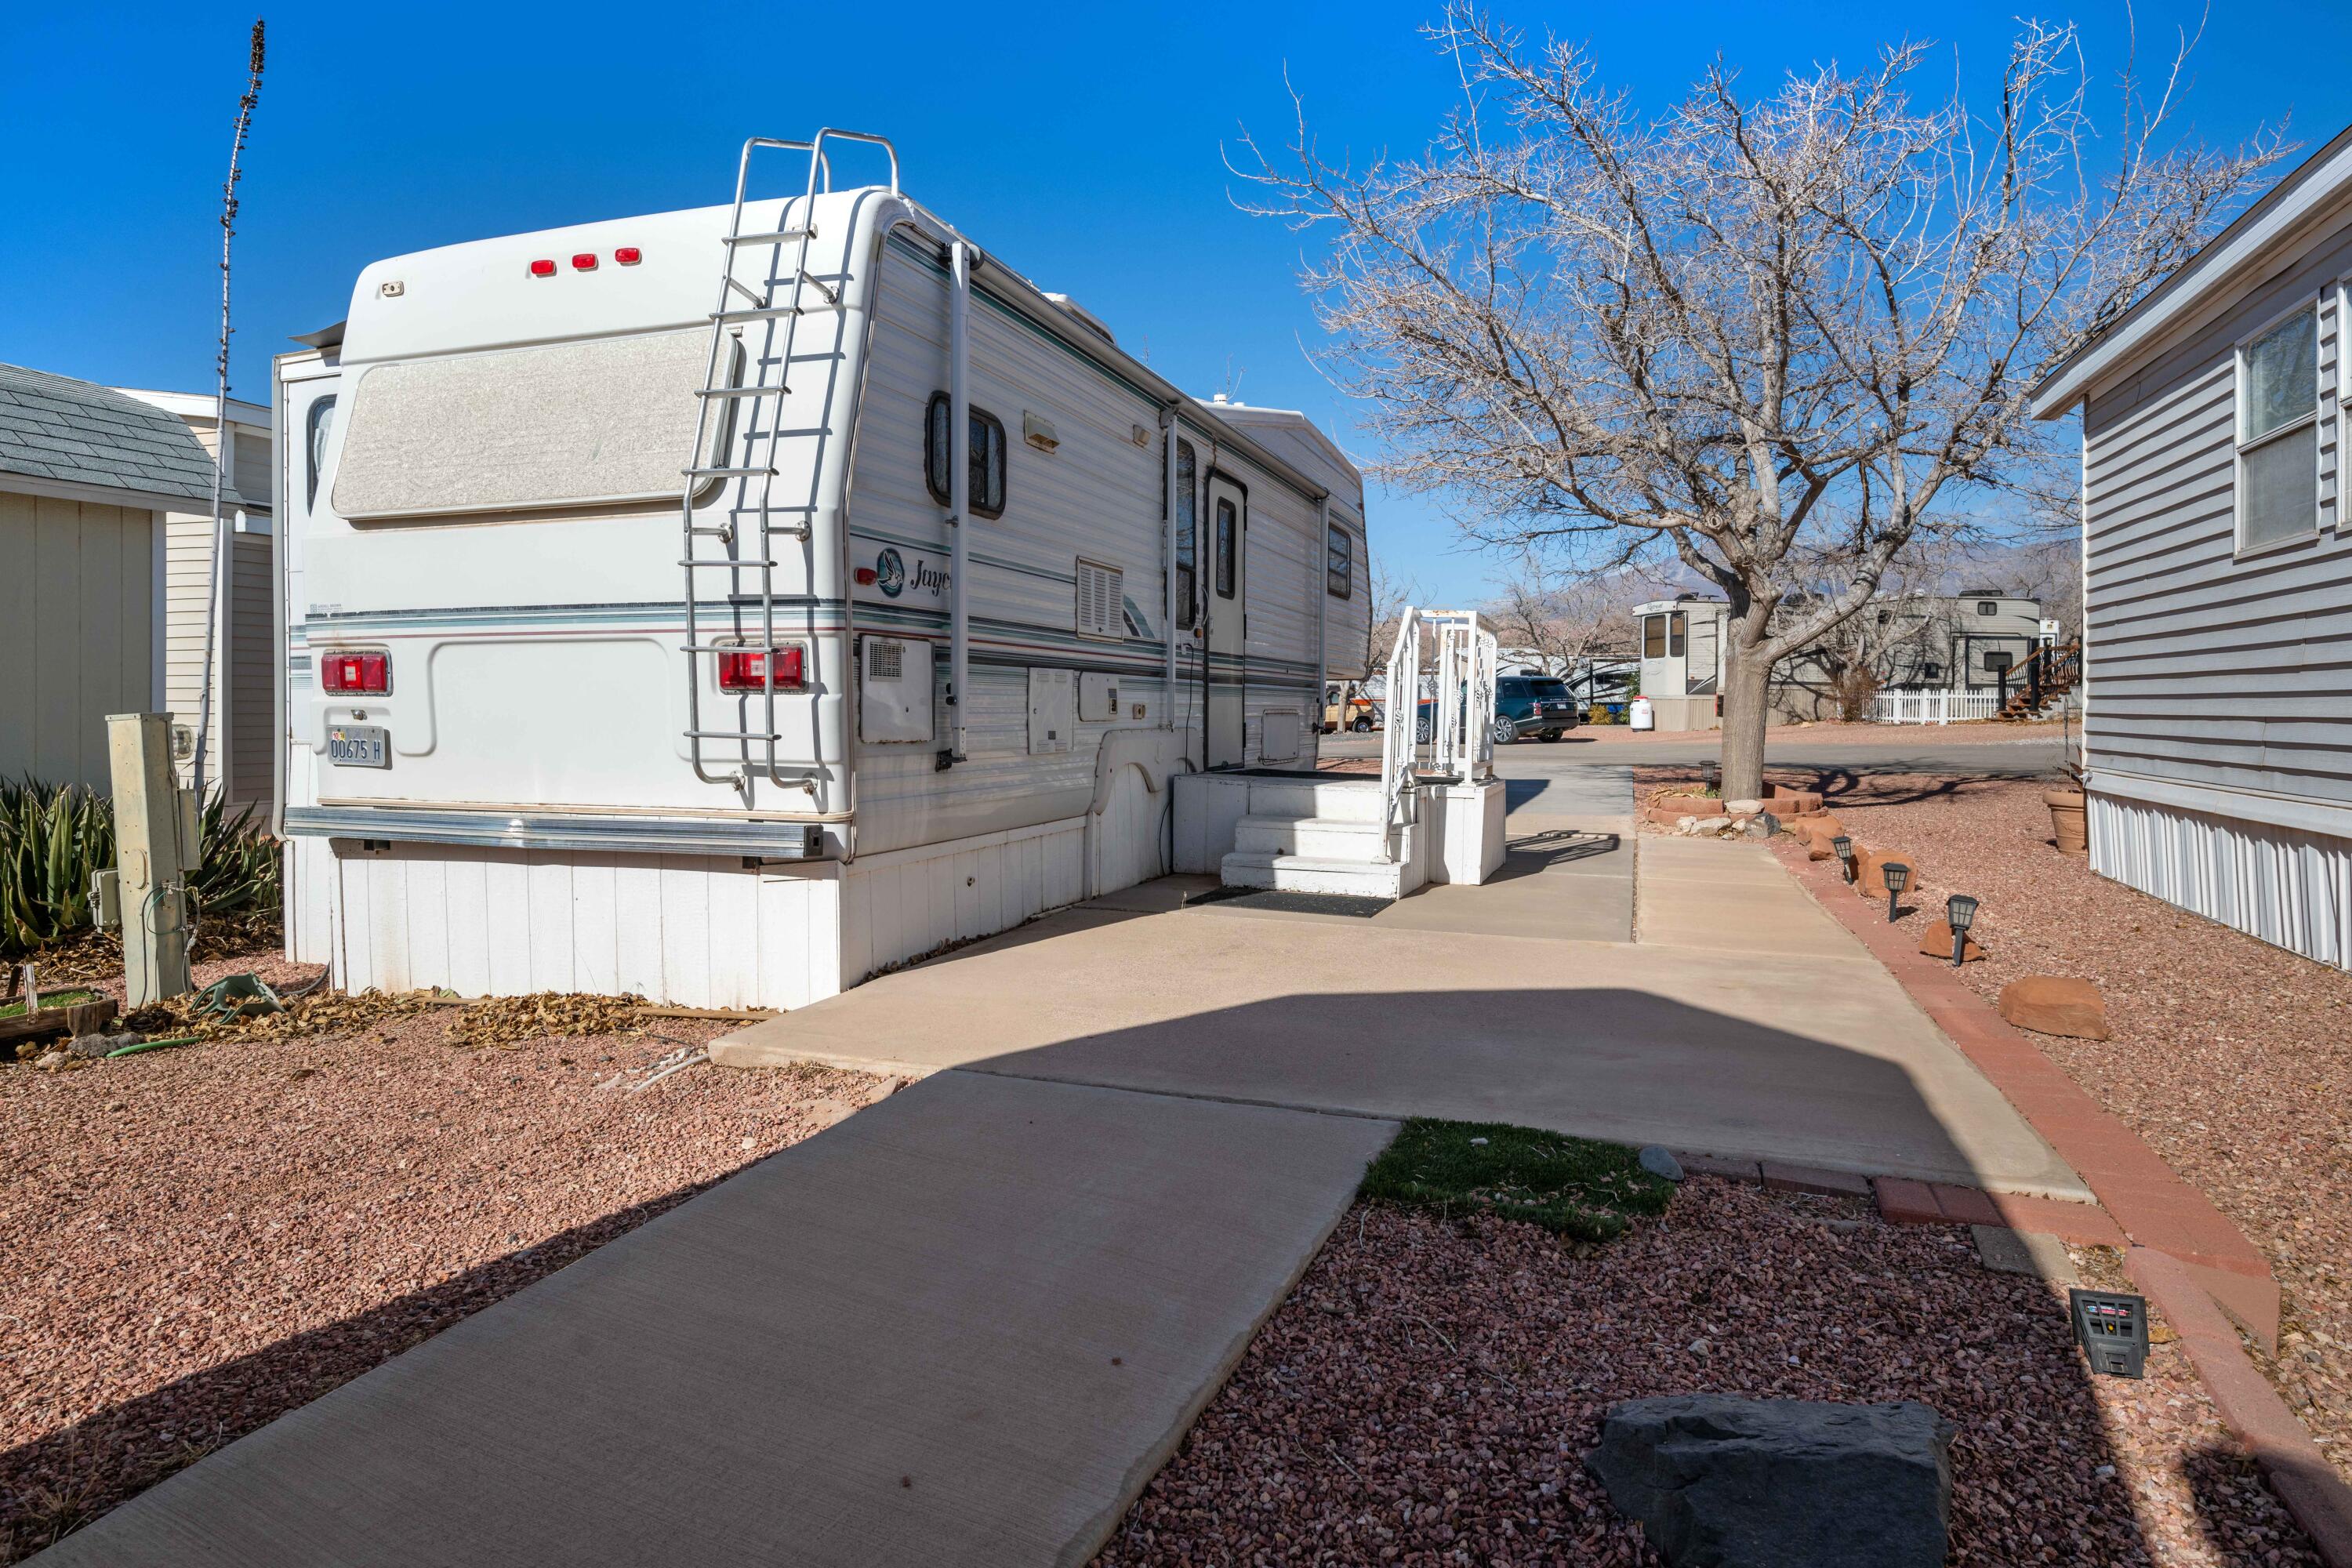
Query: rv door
{"points": [[1228, 514]]}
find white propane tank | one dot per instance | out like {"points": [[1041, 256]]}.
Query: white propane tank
{"points": [[1642, 717]]}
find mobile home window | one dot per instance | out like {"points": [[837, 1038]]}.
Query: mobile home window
{"points": [[1228, 525], [1339, 564], [987, 481], [321, 423], [2278, 433], [1188, 475]]}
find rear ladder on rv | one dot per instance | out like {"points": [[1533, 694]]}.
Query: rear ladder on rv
{"points": [[737, 399]]}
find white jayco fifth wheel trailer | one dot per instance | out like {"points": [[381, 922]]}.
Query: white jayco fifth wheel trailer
{"points": [[726, 605]]}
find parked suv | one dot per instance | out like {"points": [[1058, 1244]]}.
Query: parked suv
{"points": [[1534, 705], [1525, 705]]}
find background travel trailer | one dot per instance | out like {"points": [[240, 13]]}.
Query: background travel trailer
{"points": [[534, 775]]}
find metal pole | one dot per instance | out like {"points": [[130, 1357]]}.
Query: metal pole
{"points": [[1319, 584], [1168, 650], [959, 487], [153, 851]]}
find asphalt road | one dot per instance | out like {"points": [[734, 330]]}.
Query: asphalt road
{"points": [[1911, 749]]}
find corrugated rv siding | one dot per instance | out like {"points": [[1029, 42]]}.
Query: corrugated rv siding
{"points": [[76, 633], [2204, 669]]}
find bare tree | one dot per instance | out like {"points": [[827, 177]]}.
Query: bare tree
{"points": [[1561, 616], [1391, 597], [1748, 325]]}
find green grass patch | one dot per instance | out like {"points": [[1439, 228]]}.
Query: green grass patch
{"points": [[48, 999], [1575, 1187]]}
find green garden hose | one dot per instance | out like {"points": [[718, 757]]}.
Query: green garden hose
{"points": [[150, 1046]]}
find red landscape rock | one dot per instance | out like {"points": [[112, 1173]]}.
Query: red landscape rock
{"points": [[2055, 1004], [1935, 942]]}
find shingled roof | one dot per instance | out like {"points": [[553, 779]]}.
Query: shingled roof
{"points": [[75, 432]]}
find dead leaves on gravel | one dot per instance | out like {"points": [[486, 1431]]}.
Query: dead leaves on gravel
{"points": [[511, 1020], [503, 1021]]}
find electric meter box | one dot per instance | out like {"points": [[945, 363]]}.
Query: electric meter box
{"points": [[894, 690]]}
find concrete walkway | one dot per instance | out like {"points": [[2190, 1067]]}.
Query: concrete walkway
{"points": [[965, 1326]]}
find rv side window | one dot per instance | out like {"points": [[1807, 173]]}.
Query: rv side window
{"points": [[1228, 524], [1188, 471], [321, 422], [1339, 564], [1676, 627], [1653, 637], [987, 457]]}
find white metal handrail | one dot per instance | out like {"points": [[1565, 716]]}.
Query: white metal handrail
{"points": [[1458, 743]]}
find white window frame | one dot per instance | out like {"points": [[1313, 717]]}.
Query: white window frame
{"points": [[2239, 446]]}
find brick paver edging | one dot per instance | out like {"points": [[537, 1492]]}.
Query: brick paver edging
{"points": [[2186, 1254]]}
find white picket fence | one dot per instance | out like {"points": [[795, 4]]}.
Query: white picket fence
{"points": [[1932, 707]]}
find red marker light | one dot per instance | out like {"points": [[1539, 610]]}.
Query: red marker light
{"points": [[542, 270], [865, 577], [585, 262], [629, 255], [746, 669], [366, 674]]}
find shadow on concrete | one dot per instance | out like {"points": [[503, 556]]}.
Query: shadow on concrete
{"points": [[1516, 793], [63, 1479], [1532, 853], [1598, 1062]]}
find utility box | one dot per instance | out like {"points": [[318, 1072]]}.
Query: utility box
{"points": [[1098, 698], [1052, 710], [895, 701]]}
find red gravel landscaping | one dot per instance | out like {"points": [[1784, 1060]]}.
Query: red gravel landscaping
{"points": [[196, 1241], [1428, 1393], [2230, 1056]]}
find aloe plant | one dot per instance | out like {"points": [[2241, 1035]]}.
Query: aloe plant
{"points": [[54, 837]]}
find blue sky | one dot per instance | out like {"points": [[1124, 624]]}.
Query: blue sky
{"points": [[1080, 143]]}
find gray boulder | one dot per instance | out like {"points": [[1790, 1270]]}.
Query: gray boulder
{"points": [[1719, 1481], [1659, 1160]]}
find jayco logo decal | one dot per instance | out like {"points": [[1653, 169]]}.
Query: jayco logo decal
{"points": [[889, 572]]}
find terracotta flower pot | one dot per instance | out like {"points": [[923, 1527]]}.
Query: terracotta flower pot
{"points": [[2069, 819]]}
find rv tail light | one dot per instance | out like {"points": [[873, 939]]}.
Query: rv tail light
{"points": [[585, 262], [629, 255], [363, 674], [543, 269], [746, 669]]}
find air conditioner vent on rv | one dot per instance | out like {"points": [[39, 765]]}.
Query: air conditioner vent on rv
{"points": [[1100, 614], [1085, 318]]}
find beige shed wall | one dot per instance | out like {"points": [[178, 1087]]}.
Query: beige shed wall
{"points": [[77, 632]]}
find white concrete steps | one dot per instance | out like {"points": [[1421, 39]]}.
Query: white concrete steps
{"points": [[1308, 874], [1320, 836], [1356, 799], [1323, 838]]}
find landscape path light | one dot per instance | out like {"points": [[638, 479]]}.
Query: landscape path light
{"points": [[1843, 847], [1959, 913], [1898, 877]]}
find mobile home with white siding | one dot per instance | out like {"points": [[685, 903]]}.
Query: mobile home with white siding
{"points": [[656, 625], [2217, 574]]}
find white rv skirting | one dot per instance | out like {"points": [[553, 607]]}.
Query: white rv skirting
{"points": [[685, 930], [2289, 886]]}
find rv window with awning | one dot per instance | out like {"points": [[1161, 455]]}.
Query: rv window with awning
{"points": [[603, 422]]}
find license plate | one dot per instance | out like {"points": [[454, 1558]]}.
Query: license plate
{"points": [[358, 746]]}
